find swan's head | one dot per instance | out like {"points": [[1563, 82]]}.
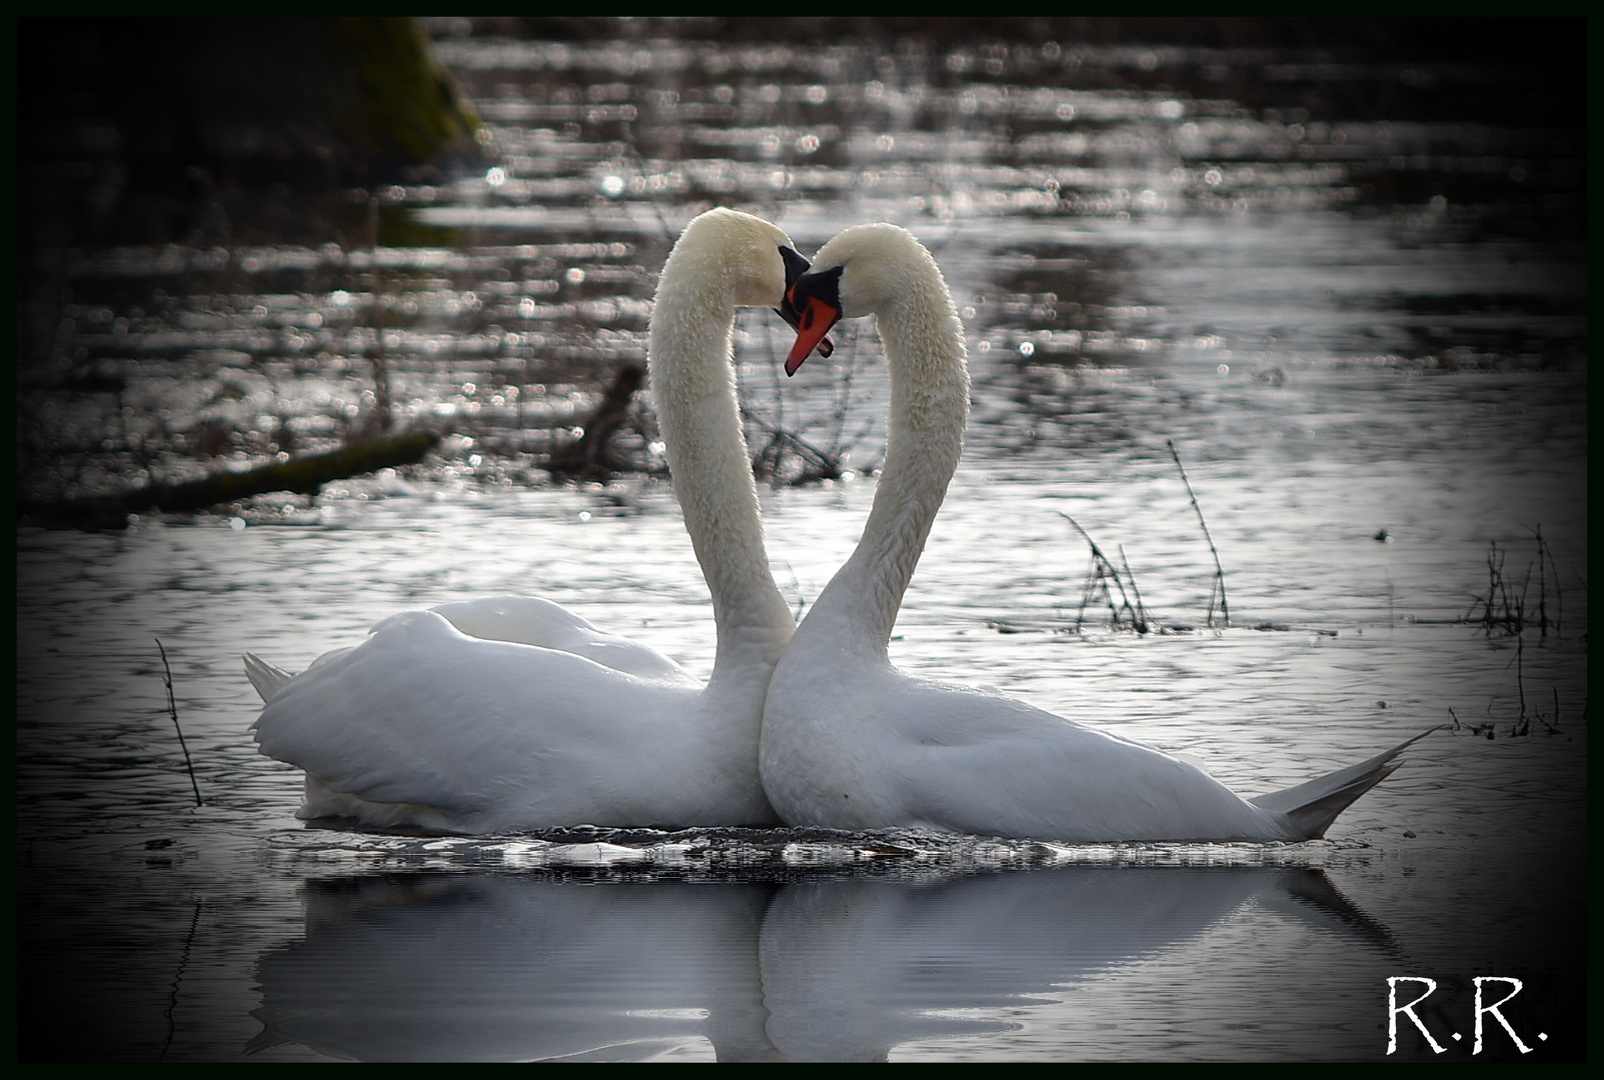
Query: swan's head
{"points": [[739, 259], [866, 270]]}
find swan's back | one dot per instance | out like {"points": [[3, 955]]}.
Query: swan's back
{"points": [[879, 749], [529, 620], [497, 735]]}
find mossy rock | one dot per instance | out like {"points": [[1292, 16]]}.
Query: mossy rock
{"points": [[312, 103], [404, 107]]}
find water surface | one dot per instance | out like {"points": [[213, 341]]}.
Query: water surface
{"points": [[1364, 334]]}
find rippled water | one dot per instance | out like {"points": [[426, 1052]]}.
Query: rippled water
{"points": [[1365, 337]]}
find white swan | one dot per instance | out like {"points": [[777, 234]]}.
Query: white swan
{"points": [[850, 742], [513, 713]]}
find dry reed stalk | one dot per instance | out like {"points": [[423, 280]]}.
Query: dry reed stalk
{"points": [[172, 709], [1219, 571]]}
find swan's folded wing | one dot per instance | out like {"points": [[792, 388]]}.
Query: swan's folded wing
{"points": [[982, 763], [421, 713], [531, 620]]}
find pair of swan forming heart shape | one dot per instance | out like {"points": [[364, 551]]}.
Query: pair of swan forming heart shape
{"points": [[513, 714]]}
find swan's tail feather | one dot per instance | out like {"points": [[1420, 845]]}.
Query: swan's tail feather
{"points": [[267, 679], [1312, 807]]}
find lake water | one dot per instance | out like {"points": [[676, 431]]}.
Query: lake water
{"points": [[1365, 337]]}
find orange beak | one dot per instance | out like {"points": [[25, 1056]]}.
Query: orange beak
{"points": [[814, 320]]}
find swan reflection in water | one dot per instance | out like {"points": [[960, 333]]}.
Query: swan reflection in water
{"points": [[513, 967]]}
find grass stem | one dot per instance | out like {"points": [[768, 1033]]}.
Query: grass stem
{"points": [[172, 709], [1219, 571]]}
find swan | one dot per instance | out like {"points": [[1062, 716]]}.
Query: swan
{"points": [[512, 713], [850, 742]]}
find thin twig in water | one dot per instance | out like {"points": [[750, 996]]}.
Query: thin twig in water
{"points": [[172, 709], [383, 296], [1475, 729], [1104, 570], [1492, 618], [1219, 571], [1141, 612], [776, 388], [1542, 583], [1545, 560], [1553, 729], [640, 167], [1520, 680], [801, 601], [1097, 572], [843, 406], [825, 465]]}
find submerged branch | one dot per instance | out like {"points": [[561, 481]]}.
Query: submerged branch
{"points": [[304, 475], [821, 464], [587, 457]]}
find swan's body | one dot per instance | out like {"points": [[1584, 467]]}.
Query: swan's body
{"points": [[513, 713], [850, 742]]}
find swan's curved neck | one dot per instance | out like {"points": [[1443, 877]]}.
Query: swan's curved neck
{"points": [[929, 408], [693, 388]]}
